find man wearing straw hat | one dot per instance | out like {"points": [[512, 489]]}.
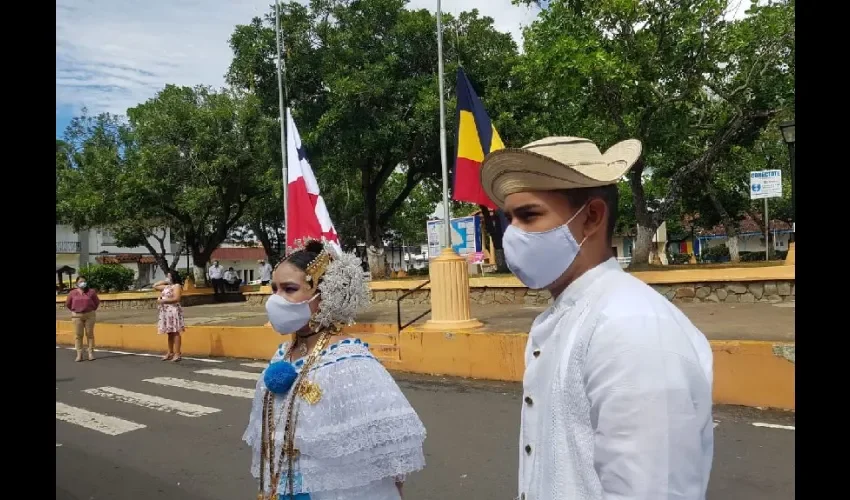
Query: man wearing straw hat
{"points": [[617, 384]]}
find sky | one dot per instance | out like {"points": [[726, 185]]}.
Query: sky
{"points": [[113, 55]]}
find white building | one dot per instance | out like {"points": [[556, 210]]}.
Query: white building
{"points": [[95, 246]]}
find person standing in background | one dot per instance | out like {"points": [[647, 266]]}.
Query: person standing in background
{"points": [[216, 275], [171, 313], [264, 271], [83, 302], [232, 280]]}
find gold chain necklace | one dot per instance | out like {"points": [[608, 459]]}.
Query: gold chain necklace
{"points": [[311, 393]]}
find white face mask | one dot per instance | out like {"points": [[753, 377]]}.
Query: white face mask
{"points": [[82, 284], [288, 317], [538, 259]]}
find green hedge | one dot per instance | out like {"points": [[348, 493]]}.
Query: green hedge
{"points": [[678, 258], [108, 277]]}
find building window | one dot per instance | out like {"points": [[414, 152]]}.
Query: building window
{"points": [[107, 237]]}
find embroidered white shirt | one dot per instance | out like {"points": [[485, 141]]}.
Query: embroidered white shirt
{"points": [[617, 396]]}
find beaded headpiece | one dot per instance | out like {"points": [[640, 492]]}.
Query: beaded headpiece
{"points": [[317, 267]]}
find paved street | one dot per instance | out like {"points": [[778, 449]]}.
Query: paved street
{"points": [[131, 427], [717, 321]]}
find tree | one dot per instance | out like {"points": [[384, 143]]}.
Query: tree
{"points": [[189, 159], [199, 160], [362, 88], [676, 75]]}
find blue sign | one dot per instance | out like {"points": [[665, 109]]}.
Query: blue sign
{"points": [[466, 235]]}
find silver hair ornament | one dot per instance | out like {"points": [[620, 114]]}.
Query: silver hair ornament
{"points": [[344, 291]]}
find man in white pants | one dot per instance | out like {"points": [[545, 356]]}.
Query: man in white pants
{"points": [[617, 384]]}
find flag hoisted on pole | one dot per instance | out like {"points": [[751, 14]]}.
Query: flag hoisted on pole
{"points": [[308, 217], [476, 138]]}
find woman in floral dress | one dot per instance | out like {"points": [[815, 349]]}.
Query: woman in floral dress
{"points": [[171, 313]]}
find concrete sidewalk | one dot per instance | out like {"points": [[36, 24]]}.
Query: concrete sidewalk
{"points": [[771, 322]]}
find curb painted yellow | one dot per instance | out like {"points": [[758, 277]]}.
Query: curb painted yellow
{"points": [[748, 373], [696, 275]]}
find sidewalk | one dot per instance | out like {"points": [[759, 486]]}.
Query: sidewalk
{"points": [[718, 321]]}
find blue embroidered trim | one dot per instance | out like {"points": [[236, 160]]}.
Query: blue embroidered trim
{"points": [[299, 363]]}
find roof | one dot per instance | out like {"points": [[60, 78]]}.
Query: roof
{"points": [[239, 253], [745, 225], [123, 258]]}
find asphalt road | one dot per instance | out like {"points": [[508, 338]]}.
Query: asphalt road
{"points": [[148, 450]]}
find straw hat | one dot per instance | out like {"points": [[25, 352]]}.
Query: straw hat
{"points": [[553, 164]]}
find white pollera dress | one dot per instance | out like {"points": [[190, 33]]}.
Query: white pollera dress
{"points": [[355, 443]]}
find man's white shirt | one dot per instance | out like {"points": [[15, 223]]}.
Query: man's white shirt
{"points": [[617, 396], [215, 272], [265, 272]]}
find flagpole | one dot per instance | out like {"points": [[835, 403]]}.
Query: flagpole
{"points": [[447, 213], [280, 76]]}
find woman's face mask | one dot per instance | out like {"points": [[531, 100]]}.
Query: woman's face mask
{"points": [[83, 285], [288, 317]]}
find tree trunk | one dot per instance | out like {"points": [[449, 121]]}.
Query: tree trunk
{"points": [[732, 244], [728, 223], [377, 261], [199, 262], [644, 249]]}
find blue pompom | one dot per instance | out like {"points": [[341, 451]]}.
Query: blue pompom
{"points": [[280, 376]]}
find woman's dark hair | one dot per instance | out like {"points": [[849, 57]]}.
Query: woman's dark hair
{"points": [[80, 277], [302, 258], [176, 278]]}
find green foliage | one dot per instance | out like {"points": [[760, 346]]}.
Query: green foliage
{"points": [[678, 76], [719, 253], [363, 92], [190, 159], [678, 258], [759, 256], [108, 277]]}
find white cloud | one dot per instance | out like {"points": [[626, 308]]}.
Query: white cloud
{"points": [[112, 55]]}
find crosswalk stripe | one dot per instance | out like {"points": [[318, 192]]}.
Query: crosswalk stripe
{"points": [[153, 402], [220, 372], [105, 424], [225, 390], [148, 355], [255, 365]]}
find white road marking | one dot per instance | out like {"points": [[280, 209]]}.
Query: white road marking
{"points": [[774, 426], [153, 402], [58, 445], [105, 424], [149, 355], [255, 365], [716, 424], [225, 390], [218, 372]]}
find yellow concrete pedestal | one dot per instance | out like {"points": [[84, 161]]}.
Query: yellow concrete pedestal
{"points": [[189, 284], [789, 259], [450, 294], [266, 289]]}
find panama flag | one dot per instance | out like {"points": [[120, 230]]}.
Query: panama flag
{"points": [[476, 138], [307, 216]]}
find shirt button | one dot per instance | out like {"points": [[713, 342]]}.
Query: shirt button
{"points": [[528, 449], [529, 401], [536, 353]]}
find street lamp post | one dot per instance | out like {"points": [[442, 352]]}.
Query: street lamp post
{"points": [[787, 129]]}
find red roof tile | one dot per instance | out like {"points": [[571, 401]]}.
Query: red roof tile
{"points": [[239, 253]]}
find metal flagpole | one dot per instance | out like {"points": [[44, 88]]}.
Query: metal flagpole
{"points": [[447, 213], [766, 232], [281, 70]]}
